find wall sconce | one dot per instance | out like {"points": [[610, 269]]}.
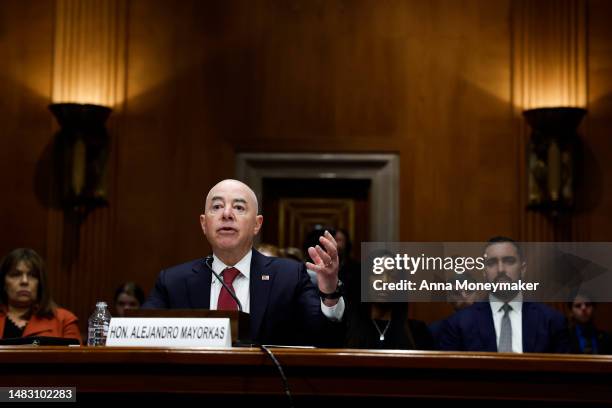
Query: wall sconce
{"points": [[551, 158], [81, 151]]}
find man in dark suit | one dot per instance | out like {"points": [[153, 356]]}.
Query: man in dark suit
{"points": [[284, 306], [458, 299], [505, 323], [585, 337]]}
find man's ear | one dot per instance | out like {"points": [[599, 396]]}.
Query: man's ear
{"points": [[523, 269], [203, 223], [258, 223]]}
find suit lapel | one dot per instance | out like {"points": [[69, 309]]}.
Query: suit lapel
{"points": [[486, 326], [259, 290], [198, 286], [530, 323]]}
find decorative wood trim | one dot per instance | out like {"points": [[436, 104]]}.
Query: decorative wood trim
{"points": [[381, 169], [295, 208]]}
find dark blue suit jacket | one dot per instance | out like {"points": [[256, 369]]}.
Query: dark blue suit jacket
{"points": [[284, 309], [472, 329], [435, 328]]}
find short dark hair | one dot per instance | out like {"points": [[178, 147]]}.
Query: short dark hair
{"points": [[44, 306], [132, 289], [579, 293], [501, 239], [312, 238]]}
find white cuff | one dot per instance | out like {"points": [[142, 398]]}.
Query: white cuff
{"points": [[335, 312]]}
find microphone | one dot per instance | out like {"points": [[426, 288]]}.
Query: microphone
{"points": [[208, 261]]}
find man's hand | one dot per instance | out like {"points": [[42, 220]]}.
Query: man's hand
{"points": [[326, 265]]}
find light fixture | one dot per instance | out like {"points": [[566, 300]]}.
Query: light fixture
{"points": [[81, 150], [551, 158]]}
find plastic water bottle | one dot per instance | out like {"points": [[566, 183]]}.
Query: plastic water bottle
{"points": [[98, 325]]}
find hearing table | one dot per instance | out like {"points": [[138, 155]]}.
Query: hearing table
{"points": [[241, 374]]}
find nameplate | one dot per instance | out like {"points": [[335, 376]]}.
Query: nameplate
{"points": [[169, 332]]}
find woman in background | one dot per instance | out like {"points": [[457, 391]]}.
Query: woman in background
{"points": [[27, 308], [386, 326], [128, 296]]}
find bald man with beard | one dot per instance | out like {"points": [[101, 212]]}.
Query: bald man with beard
{"points": [[284, 306]]}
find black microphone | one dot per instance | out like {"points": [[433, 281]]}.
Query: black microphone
{"points": [[208, 261]]}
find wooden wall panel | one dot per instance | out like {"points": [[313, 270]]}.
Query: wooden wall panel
{"points": [[595, 218], [406, 77], [26, 33], [173, 145]]}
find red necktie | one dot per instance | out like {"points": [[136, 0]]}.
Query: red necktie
{"points": [[226, 301]]}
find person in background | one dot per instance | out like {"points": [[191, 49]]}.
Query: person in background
{"points": [[458, 299], [384, 324], [585, 337], [350, 270], [128, 296], [27, 308], [505, 323], [268, 250], [293, 253]]}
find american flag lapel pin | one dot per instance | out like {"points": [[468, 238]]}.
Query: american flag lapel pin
{"points": [[265, 277]]}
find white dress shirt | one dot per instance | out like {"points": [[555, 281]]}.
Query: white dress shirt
{"points": [[240, 284], [241, 287], [516, 319]]}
